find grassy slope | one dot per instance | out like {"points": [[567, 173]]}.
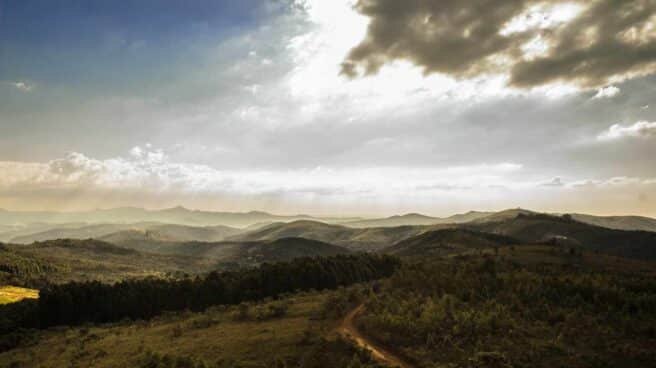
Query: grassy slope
{"points": [[210, 336]]}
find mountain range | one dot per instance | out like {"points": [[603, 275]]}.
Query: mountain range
{"points": [[175, 215], [413, 219], [19, 223], [631, 236]]}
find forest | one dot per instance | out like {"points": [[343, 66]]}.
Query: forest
{"points": [[81, 302], [494, 312]]}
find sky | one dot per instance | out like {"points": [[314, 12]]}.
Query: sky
{"points": [[341, 107]]}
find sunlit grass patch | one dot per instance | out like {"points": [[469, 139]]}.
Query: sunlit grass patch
{"points": [[12, 294]]}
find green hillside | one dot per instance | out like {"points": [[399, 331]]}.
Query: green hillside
{"points": [[447, 241], [545, 228], [364, 239]]}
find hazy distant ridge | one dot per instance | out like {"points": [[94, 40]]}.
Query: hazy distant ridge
{"points": [[126, 215]]}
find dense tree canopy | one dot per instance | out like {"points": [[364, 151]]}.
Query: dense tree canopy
{"points": [[75, 303]]}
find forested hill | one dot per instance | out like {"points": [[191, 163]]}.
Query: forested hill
{"points": [[534, 228], [445, 241]]}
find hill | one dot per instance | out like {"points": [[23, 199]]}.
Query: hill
{"points": [[17, 268], [170, 232], [537, 228], [286, 249], [87, 246], [240, 252], [129, 257], [415, 219], [502, 215], [7, 228], [612, 222], [618, 222], [125, 215], [194, 233], [351, 238], [397, 220], [141, 240], [20, 230], [80, 260], [68, 231], [160, 243], [446, 241]]}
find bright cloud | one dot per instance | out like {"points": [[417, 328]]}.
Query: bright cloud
{"points": [[152, 169], [22, 86], [318, 56], [640, 129], [149, 174], [541, 17], [607, 92]]}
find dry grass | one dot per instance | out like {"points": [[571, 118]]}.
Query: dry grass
{"points": [[12, 294], [211, 336]]}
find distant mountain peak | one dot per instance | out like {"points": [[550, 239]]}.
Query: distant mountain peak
{"points": [[259, 213], [412, 214]]}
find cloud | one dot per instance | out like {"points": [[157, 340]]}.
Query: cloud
{"points": [[22, 86], [584, 43], [555, 182], [152, 169], [153, 179], [641, 129], [606, 92], [613, 182], [153, 173], [136, 151]]}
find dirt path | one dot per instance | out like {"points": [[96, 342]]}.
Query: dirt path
{"points": [[347, 329]]}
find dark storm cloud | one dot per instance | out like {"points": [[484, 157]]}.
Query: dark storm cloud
{"points": [[450, 36], [609, 39]]}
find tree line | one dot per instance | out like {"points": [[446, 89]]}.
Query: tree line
{"points": [[76, 303]]}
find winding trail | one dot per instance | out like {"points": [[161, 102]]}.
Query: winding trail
{"points": [[347, 329]]}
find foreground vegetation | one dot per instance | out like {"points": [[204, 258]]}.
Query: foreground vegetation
{"points": [[457, 300], [493, 311], [94, 302], [293, 331]]}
